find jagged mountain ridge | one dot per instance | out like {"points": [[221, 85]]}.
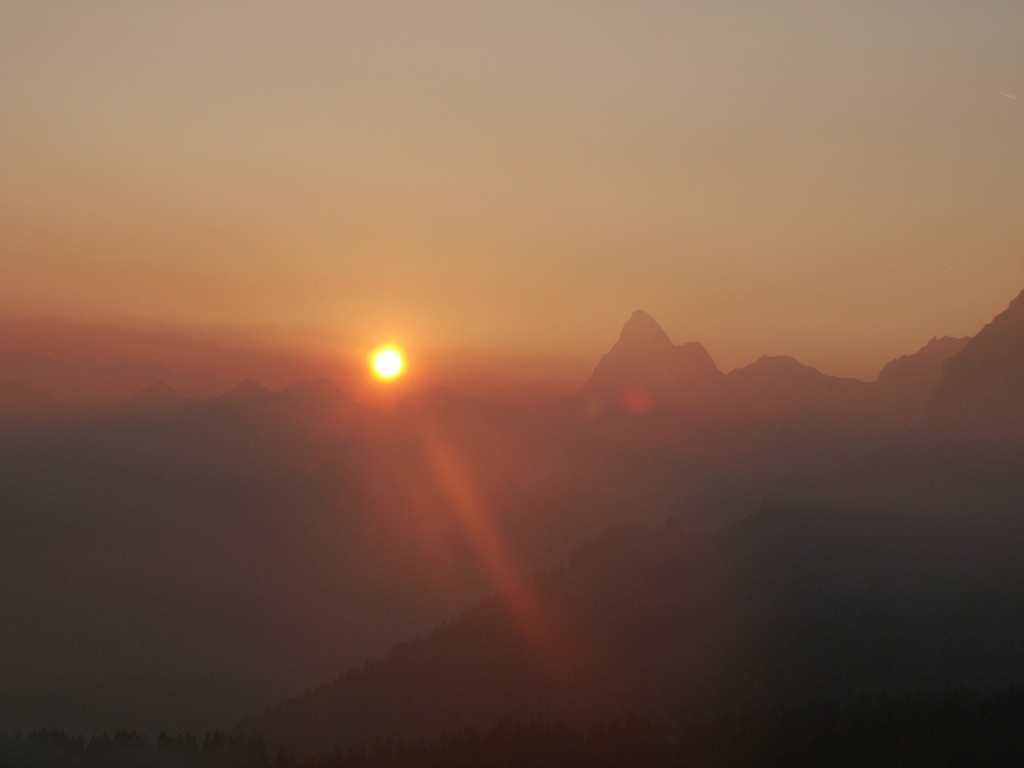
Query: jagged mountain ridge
{"points": [[88, 384], [924, 367], [645, 375]]}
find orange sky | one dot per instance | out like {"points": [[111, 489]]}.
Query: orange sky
{"points": [[497, 186]]}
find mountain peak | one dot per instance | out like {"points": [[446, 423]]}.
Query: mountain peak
{"points": [[642, 330], [778, 369], [644, 370]]}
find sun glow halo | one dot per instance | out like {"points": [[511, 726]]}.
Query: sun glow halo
{"points": [[387, 363]]}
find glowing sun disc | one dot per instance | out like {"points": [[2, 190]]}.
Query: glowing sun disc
{"points": [[388, 363]]}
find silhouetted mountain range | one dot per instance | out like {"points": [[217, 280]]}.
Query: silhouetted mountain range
{"points": [[784, 393], [644, 372], [250, 545], [647, 380], [87, 384], [643, 375], [19, 401]]}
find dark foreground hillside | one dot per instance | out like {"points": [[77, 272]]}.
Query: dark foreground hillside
{"points": [[787, 606], [933, 729]]}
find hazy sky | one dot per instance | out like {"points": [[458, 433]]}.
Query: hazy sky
{"points": [[835, 181]]}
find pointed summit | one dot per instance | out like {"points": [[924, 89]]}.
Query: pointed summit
{"points": [[644, 371], [643, 331]]}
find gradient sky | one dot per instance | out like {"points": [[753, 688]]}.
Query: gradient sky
{"points": [[509, 181]]}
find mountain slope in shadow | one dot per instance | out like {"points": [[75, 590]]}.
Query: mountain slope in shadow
{"points": [[788, 605], [909, 381], [981, 389]]}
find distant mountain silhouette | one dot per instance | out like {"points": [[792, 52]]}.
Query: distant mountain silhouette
{"points": [[785, 392], [981, 389], [21, 401], [645, 373], [909, 382], [87, 384], [921, 371]]}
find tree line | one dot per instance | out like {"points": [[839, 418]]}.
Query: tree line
{"points": [[950, 728]]}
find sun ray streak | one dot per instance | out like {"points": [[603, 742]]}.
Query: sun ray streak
{"points": [[549, 642]]}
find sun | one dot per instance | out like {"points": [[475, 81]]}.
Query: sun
{"points": [[387, 363]]}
